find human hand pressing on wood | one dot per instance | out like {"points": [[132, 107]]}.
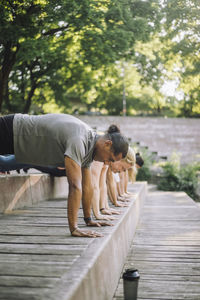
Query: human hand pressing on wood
{"points": [[77, 232], [90, 222]]}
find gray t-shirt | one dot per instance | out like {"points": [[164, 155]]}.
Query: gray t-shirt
{"points": [[45, 140]]}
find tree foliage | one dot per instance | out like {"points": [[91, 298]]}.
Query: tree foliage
{"points": [[69, 54], [183, 36]]}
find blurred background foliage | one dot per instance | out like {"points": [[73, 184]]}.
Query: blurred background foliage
{"points": [[177, 177], [170, 174], [80, 56]]}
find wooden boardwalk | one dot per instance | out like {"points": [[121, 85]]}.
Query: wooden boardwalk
{"points": [[40, 260], [166, 248], [36, 249]]}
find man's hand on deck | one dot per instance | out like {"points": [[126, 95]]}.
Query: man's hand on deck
{"points": [[85, 233], [105, 217]]}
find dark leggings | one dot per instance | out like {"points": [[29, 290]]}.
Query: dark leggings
{"points": [[6, 135], [9, 163]]}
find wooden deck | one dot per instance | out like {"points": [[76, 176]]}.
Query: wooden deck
{"points": [[166, 248], [40, 260], [35, 250]]}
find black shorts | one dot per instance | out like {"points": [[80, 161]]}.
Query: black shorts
{"points": [[6, 135]]}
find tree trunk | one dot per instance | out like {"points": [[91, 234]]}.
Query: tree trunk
{"points": [[7, 100], [158, 109], [8, 63], [3, 83], [29, 98]]}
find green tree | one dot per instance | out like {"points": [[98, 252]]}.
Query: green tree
{"points": [[23, 25], [182, 34], [37, 38]]}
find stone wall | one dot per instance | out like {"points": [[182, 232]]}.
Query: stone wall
{"points": [[164, 135], [18, 191]]}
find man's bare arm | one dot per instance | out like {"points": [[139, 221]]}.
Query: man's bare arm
{"points": [[73, 173], [74, 176]]}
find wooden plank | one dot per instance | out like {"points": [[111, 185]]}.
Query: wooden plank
{"points": [[164, 258], [69, 258], [175, 268], [28, 281], [165, 235], [36, 230], [24, 293], [172, 223], [34, 221], [164, 289], [41, 249], [158, 295], [170, 277], [34, 239], [171, 231], [37, 209], [173, 287], [165, 248], [41, 269], [166, 242]]}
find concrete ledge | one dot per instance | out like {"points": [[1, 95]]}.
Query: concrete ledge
{"points": [[96, 273], [18, 191]]}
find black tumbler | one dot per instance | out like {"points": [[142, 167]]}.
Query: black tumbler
{"points": [[130, 282]]}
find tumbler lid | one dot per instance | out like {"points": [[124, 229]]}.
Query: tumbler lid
{"points": [[131, 274]]}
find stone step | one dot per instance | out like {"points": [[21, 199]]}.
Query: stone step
{"points": [[18, 191], [164, 135]]}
